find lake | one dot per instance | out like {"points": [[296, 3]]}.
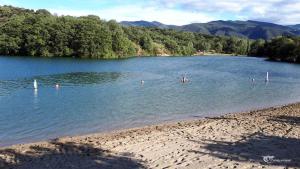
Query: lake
{"points": [[102, 95]]}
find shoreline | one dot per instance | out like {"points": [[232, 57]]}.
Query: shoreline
{"points": [[124, 58], [234, 140], [150, 126]]}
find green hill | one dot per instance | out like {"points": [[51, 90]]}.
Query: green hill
{"points": [[245, 29], [39, 33]]}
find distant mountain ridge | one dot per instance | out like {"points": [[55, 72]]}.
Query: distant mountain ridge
{"points": [[297, 26], [248, 29], [145, 24]]}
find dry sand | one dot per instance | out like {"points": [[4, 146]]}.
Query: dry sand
{"points": [[231, 141]]}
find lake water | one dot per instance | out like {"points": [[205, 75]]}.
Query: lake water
{"points": [[100, 96]]}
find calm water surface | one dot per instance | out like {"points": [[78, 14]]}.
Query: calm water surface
{"points": [[99, 96]]}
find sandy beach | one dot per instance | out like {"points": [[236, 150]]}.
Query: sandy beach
{"points": [[268, 138]]}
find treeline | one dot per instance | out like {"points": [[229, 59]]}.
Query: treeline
{"points": [[38, 33], [284, 48]]}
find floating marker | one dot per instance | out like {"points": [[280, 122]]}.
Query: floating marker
{"points": [[267, 77], [35, 84]]}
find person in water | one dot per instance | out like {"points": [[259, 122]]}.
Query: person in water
{"points": [[184, 79]]}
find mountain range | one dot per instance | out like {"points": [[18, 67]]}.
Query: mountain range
{"points": [[247, 29]]}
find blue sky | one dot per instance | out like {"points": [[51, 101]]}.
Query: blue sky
{"points": [[176, 12]]}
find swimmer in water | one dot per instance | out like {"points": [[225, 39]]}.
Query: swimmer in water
{"points": [[184, 79]]}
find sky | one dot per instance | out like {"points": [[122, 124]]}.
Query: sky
{"points": [[175, 12]]}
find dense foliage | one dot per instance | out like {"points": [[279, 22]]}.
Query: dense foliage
{"points": [[283, 48], [39, 33]]}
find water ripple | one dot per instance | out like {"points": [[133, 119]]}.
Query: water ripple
{"points": [[65, 79]]}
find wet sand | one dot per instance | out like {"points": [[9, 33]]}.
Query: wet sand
{"points": [[238, 140]]}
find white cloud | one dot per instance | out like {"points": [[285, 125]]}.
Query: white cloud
{"points": [[135, 12], [4, 2], [279, 11], [181, 12]]}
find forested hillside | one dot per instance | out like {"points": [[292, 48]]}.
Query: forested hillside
{"points": [[244, 29], [39, 33], [280, 49]]}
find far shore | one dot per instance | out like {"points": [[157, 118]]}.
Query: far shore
{"points": [[130, 57], [219, 54], [266, 138]]}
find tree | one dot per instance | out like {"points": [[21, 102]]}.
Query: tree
{"points": [[218, 47], [172, 46], [43, 12], [9, 45], [36, 36], [121, 45], [189, 49], [146, 43], [257, 47], [203, 45]]}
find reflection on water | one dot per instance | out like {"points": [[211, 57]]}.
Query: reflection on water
{"points": [[35, 99], [66, 79], [79, 78], [267, 83]]}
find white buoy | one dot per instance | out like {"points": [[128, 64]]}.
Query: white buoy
{"points": [[267, 77], [35, 84], [142, 82]]}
